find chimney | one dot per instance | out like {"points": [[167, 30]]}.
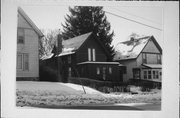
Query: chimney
{"points": [[59, 44]]}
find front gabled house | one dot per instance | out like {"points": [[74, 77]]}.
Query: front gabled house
{"points": [[142, 58], [85, 56], [28, 36]]}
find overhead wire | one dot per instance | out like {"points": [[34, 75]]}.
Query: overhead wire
{"points": [[133, 20]]}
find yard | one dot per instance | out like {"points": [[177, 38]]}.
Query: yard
{"points": [[63, 94]]}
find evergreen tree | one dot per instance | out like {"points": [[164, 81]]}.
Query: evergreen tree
{"points": [[84, 19]]}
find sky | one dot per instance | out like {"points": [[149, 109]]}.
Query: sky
{"points": [[51, 17]]}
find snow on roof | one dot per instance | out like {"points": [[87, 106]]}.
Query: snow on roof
{"points": [[130, 49], [95, 62], [71, 45], [44, 57]]}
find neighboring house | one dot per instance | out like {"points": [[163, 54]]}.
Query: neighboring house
{"points": [[28, 36], [142, 58], [85, 56]]}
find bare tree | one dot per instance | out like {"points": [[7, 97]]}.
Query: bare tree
{"points": [[47, 43]]}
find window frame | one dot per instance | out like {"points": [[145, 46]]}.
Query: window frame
{"points": [[23, 63], [20, 41], [145, 75], [144, 58]]}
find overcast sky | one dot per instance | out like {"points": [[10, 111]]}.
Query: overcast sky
{"points": [[51, 17]]}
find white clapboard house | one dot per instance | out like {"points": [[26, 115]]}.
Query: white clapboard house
{"points": [[28, 36], [142, 58]]}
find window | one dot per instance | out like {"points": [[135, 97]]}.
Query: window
{"points": [[69, 59], [19, 61], [69, 71], [104, 73], [145, 74], [157, 74], [149, 74], [98, 70], [91, 54], [144, 56], [20, 36], [22, 61], [26, 61], [159, 59], [154, 74], [94, 56], [110, 70]]}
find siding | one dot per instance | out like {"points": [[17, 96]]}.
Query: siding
{"points": [[130, 64], [82, 54], [151, 50], [30, 47], [151, 47]]}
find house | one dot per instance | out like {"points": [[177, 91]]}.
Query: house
{"points": [[85, 56], [142, 58], [28, 36]]}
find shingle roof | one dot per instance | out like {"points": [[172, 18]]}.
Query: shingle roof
{"points": [[70, 46], [130, 49]]}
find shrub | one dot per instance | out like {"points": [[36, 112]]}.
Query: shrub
{"points": [[48, 74]]}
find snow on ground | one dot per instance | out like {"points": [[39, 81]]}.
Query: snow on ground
{"points": [[58, 94]]}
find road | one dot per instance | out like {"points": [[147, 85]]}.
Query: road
{"points": [[144, 106]]}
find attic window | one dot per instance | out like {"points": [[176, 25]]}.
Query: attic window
{"points": [[20, 36]]}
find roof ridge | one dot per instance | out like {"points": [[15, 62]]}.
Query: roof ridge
{"points": [[31, 23]]}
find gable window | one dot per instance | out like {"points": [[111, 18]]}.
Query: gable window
{"points": [[22, 61], [98, 70], [145, 74], [144, 57], [159, 59], [91, 54], [94, 56], [20, 36]]}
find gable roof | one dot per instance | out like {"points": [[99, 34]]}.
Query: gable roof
{"points": [[132, 48], [70, 46], [25, 16]]}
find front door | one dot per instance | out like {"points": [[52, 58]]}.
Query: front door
{"points": [[136, 73]]}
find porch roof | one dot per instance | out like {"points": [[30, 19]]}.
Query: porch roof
{"points": [[155, 66], [95, 62]]}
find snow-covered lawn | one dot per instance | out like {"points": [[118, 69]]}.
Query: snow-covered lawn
{"points": [[56, 94]]}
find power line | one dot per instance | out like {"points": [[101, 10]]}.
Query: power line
{"points": [[136, 16], [132, 20]]}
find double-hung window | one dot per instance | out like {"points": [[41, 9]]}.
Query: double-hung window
{"points": [[23, 61], [159, 59], [91, 54], [20, 36], [144, 57]]}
